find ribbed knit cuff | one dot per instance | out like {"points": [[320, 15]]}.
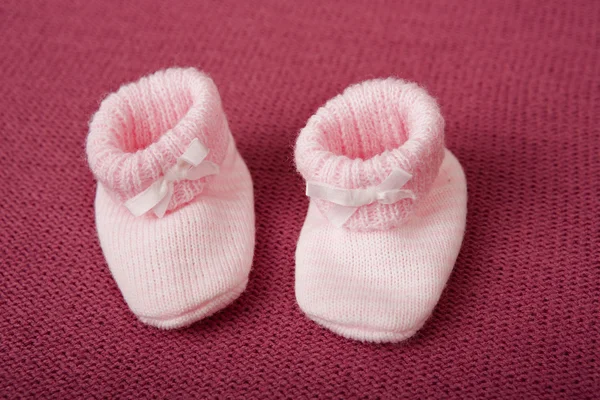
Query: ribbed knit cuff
{"points": [[358, 138], [140, 131]]}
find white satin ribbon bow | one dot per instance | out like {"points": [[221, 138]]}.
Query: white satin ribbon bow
{"points": [[346, 201], [191, 165]]}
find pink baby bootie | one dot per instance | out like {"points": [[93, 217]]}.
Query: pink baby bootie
{"points": [[174, 202], [387, 211]]}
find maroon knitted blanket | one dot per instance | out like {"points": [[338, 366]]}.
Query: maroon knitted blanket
{"points": [[519, 85]]}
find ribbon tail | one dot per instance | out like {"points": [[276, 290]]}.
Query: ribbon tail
{"points": [[146, 200], [406, 194], [195, 153], [338, 215], [395, 180], [161, 207], [204, 169]]}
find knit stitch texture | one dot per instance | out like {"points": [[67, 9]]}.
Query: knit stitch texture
{"points": [[178, 268], [378, 276], [517, 83], [357, 138]]}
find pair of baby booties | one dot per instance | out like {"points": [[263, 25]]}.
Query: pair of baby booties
{"points": [[175, 211]]}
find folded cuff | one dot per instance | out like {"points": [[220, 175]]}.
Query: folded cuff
{"points": [[140, 132], [359, 138]]}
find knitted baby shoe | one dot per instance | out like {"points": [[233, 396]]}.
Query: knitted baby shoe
{"points": [[174, 203], [387, 211]]}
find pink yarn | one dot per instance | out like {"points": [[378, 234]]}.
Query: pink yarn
{"points": [[139, 132], [382, 285], [148, 143], [357, 138]]}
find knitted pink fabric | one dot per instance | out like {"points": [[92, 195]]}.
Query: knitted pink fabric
{"points": [[378, 276], [518, 85], [194, 260], [356, 139], [141, 130]]}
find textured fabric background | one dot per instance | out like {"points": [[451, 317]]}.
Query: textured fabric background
{"points": [[519, 84]]}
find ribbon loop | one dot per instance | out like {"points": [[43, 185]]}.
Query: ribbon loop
{"points": [[191, 165], [347, 201]]}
